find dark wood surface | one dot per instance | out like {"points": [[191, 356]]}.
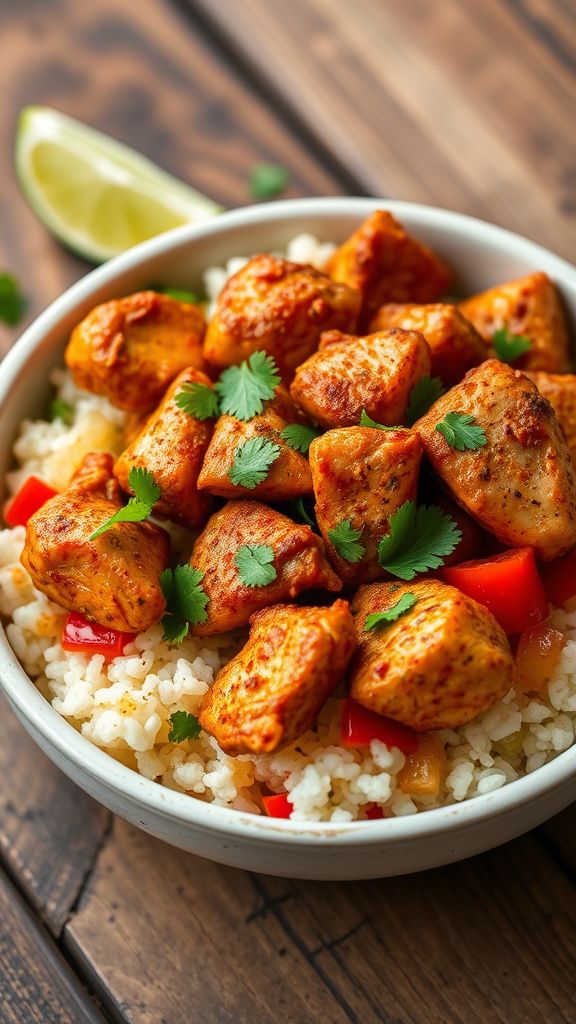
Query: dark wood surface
{"points": [[466, 105]]}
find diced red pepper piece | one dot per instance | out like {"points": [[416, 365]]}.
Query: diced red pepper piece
{"points": [[278, 806], [32, 495], [359, 727], [508, 585], [373, 812], [559, 579], [79, 634]]}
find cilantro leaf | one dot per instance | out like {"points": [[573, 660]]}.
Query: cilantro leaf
{"points": [[181, 295], [346, 540], [198, 400], [508, 346], [254, 564], [243, 389], [12, 302], [424, 393], [302, 511], [403, 605], [185, 597], [420, 538], [252, 462], [59, 410], [175, 630], [367, 421], [461, 433], [268, 180], [183, 726], [146, 494], [299, 437]]}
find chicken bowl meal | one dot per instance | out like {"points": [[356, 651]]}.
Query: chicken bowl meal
{"points": [[296, 536]]}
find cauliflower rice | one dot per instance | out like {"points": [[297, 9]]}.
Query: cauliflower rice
{"points": [[124, 705]]}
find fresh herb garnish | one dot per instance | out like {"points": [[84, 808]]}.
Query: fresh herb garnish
{"points": [[299, 437], [420, 538], [346, 540], [508, 346], [403, 605], [254, 564], [252, 462], [60, 410], [186, 601], [423, 395], [268, 180], [12, 302], [243, 389], [146, 494], [183, 726], [181, 295], [367, 421], [461, 432], [302, 511], [198, 400]]}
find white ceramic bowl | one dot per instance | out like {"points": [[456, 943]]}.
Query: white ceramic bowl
{"points": [[483, 255]]}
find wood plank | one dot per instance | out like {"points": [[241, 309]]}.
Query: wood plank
{"points": [[36, 984], [462, 105]]}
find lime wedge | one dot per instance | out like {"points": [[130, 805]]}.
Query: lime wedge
{"points": [[96, 195]]}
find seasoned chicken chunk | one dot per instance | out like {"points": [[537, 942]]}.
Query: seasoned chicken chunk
{"points": [[288, 476], [386, 264], [298, 561], [272, 691], [560, 390], [279, 307], [530, 306], [130, 349], [438, 666], [520, 485], [348, 374], [455, 345], [362, 475], [113, 579]]}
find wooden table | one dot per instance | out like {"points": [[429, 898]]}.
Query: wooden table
{"points": [[467, 105]]}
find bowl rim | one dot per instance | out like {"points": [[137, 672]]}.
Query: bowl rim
{"points": [[125, 783]]}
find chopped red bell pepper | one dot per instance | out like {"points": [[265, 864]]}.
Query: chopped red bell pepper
{"points": [[79, 634], [278, 806], [32, 495], [359, 727], [508, 585], [559, 579], [373, 812]]}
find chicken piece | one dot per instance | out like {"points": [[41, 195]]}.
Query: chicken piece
{"points": [[130, 349], [560, 390], [362, 475], [455, 345], [521, 484], [348, 374], [279, 307], [272, 691], [171, 446], [289, 475], [438, 666], [530, 306], [299, 562], [386, 264], [114, 579]]}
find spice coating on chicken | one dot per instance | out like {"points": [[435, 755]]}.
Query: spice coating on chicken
{"points": [[560, 390], [271, 692], [130, 349], [279, 307], [438, 666], [171, 446], [299, 562], [113, 579], [521, 484]]}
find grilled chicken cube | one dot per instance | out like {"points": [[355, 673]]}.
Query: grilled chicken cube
{"points": [[113, 579], [130, 349], [438, 666], [288, 476], [455, 345], [362, 475], [279, 307], [272, 691], [299, 562], [530, 306], [560, 390], [386, 264], [171, 446], [521, 484], [348, 374]]}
